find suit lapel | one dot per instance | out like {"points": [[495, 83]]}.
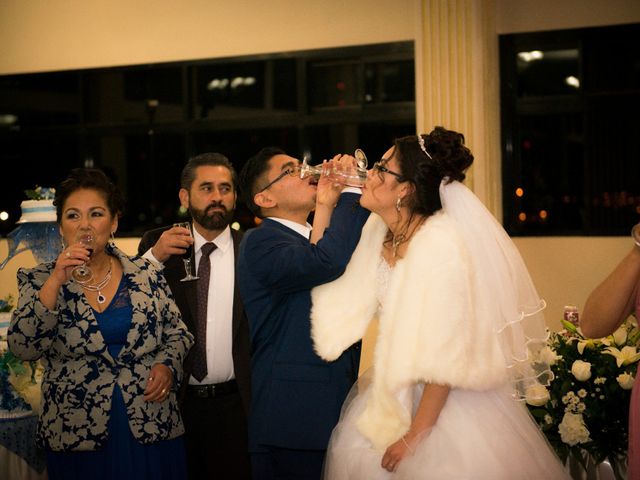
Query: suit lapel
{"points": [[238, 309]]}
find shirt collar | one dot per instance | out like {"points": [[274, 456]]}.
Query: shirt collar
{"points": [[223, 241], [304, 230]]}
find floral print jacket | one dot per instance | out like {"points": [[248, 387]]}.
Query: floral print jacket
{"points": [[80, 374]]}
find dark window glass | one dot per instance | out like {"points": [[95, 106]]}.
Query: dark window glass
{"points": [[141, 123], [569, 125], [229, 88], [612, 63], [39, 100], [335, 84], [548, 72], [151, 179], [147, 95], [35, 161], [285, 84], [389, 82]]}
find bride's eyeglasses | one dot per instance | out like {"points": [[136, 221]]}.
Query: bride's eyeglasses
{"points": [[382, 169]]}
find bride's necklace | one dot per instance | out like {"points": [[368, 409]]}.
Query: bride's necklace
{"points": [[97, 287], [399, 239], [396, 241]]}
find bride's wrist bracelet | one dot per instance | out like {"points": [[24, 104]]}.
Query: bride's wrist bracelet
{"points": [[404, 440]]}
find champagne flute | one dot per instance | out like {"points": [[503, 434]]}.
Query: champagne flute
{"points": [[82, 273], [350, 177], [186, 256]]}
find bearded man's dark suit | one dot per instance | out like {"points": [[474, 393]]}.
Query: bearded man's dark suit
{"points": [[185, 298]]}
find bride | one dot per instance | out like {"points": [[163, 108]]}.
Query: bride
{"points": [[459, 325]]}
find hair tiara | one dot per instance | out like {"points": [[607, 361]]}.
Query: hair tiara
{"points": [[423, 147]]}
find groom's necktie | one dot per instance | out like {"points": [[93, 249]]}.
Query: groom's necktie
{"points": [[202, 294]]}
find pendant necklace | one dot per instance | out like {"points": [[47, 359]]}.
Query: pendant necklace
{"points": [[396, 240], [100, 285]]}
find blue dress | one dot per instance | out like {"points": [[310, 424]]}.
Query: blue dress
{"points": [[122, 457]]}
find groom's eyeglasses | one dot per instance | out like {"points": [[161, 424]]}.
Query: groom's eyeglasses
{"points": [[289, 171]]}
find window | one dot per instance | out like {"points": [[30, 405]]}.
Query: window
{"points": [[571, 160], [141, 123]]}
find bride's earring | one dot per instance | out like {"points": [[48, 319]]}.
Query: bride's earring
{"points": [[398, 203], [112, 240]]}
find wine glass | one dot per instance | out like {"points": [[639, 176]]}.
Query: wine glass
{"points": [[82, 273], [350, 177], [186, 256]]}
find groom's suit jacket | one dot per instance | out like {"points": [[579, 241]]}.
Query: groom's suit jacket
{"points": [[296, 396], [185, 297]]}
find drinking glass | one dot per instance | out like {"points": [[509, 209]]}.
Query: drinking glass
{"points": [[350, 177], [186, 256], [82, 273]]}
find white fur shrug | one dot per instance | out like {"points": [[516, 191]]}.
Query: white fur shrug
{"points": [[427, 328]]}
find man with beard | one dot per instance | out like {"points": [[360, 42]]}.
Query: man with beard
{"points": [[216, 388]]}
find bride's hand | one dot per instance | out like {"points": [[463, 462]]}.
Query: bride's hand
{"points": [[394, 454]]}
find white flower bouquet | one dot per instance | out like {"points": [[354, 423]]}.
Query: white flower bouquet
{"points": [[585, 411]]}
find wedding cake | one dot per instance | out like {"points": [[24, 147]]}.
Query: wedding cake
{"points": [[37, 211]]}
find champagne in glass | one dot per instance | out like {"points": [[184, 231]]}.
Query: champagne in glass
{"points": [[187, 255], [350, 177], [82, 273]]}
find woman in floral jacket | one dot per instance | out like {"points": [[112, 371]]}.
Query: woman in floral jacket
{"points": [[112, 347]]}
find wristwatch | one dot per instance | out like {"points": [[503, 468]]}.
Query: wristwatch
{"points": [[635, 234]]}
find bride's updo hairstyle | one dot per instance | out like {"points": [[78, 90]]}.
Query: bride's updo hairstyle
{"points": [[426, 159]]}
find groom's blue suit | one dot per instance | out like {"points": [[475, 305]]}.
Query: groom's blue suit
{"points": [[296, 396]]}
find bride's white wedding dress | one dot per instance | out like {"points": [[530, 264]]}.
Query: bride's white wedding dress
{"points": [[459, 309], [478, 435]]}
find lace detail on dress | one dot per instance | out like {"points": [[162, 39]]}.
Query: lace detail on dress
{"points": [[383, 274], [121, 299]]}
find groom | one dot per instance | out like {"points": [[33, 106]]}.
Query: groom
{"points": [[296, 396]]}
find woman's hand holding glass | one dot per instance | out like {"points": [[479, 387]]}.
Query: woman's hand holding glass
{"points": [[72, 259], [82, 273]]}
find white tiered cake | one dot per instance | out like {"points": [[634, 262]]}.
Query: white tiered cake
{"points": [[37, 211]]}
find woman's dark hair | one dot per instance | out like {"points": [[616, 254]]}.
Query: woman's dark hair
{"points": [[252, 172], [444, 155], [89, 179]]}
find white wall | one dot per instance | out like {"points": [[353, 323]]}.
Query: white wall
{"points": [[41, 35], [515, 16]]}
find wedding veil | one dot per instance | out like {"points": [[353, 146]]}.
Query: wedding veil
{"points": [[503, 293]]}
